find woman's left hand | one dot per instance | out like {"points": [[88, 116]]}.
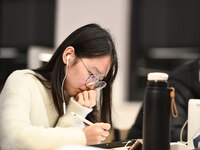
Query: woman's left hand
{"points": [[87, 98]]}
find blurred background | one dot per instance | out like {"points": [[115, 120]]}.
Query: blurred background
{"points": [[153, 35]]}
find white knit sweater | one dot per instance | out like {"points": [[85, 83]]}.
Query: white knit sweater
{"points": [[28, 116]]}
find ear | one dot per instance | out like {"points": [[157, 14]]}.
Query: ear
{"points": [[69, 51]]}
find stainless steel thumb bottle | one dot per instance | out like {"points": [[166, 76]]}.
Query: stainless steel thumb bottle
{"points": [[156, 119]]}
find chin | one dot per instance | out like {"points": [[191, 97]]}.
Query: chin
{"points": [[70, 93], [73, 93]]}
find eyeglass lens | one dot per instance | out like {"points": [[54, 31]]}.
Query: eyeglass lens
{"points": [[94, 80]]}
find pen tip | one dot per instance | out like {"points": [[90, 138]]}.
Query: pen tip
{"points": [[73, 113]]}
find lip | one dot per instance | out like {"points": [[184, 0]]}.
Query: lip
{"points": [[80, 90]]}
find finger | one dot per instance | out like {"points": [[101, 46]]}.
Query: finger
{"points": [[85, 95], [104, 133], [86, 99], [92, 98], [105, 126], [79, 99], [103, 138]]}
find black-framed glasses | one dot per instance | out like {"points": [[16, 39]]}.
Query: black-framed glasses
{"points": [[94, 79]]}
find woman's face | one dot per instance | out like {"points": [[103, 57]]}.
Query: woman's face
{"points": [[78, 74]]}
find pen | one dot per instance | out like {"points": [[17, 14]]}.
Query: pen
{"points": [[81, 118]]}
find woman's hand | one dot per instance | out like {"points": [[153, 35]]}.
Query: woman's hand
{"points": [[87, 98], [96, 133]]}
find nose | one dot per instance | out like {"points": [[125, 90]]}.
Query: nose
{"points": [[90, 87]]}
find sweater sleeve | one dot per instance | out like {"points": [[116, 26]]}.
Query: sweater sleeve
{"points": [[16, 130], [68, 119]]}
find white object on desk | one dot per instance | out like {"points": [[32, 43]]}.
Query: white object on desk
{"points": [[193, 121], [178, 146]]}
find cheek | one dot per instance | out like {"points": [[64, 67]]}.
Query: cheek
{"points": [[72, 85], [75, 79]]}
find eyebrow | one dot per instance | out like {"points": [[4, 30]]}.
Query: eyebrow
{"points": [[97, 70]]}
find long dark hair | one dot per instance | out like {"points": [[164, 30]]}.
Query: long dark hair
{"points": [[88, 41]]}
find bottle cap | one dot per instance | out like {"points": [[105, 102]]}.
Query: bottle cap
{"points": [[157, 76]]}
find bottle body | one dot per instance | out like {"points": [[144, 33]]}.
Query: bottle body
{"points": [[156, 120]]}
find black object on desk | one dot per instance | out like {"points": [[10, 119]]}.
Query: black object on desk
{"points": [[115, 144], [156, 120]]}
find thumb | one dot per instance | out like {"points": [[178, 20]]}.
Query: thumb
{"points": [[105, 126]]}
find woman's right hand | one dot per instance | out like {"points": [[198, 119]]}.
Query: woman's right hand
{"points": [[96, 133], [87, 98]]}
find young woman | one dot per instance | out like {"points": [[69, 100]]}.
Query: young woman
{"points": [[36, 105]]}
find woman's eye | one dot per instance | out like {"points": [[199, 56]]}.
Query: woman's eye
{"points": [[92, 77]]}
